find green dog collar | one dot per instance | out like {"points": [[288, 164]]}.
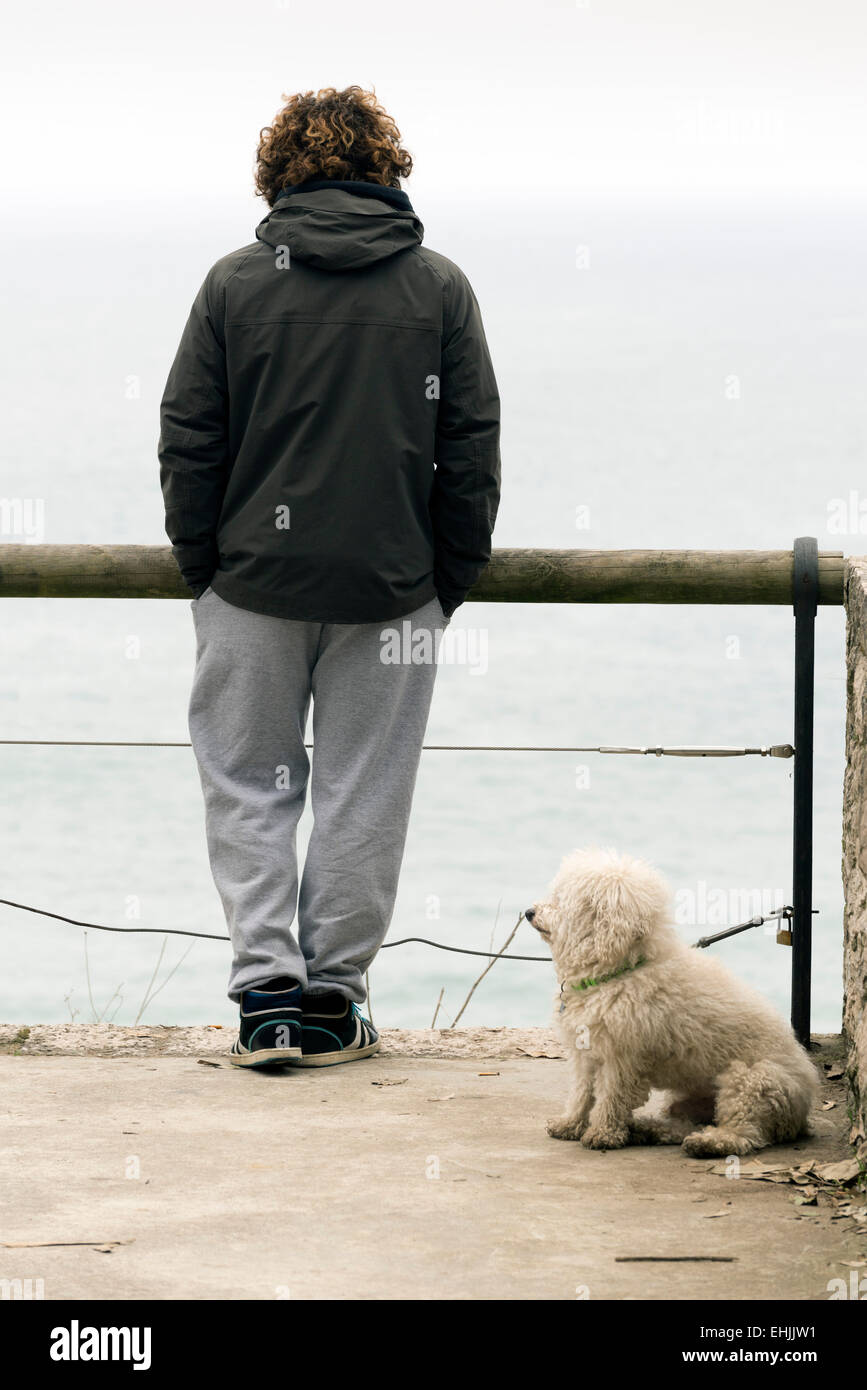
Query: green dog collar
{"points": [[589, 982]]}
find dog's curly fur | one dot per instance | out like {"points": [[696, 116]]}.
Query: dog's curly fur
{"points": [[679, 1022]]}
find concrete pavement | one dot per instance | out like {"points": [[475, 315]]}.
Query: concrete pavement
{"points": [[407, 1176]]}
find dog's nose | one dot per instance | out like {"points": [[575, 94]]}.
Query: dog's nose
{"points": [[530, 913]]}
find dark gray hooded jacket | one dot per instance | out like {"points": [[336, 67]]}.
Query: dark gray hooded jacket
{"points": [[329, 443]]}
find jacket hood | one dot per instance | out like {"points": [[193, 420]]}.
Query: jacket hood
{"points": [[337, 225]]}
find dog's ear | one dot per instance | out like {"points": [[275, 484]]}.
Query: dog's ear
{"points": [[627, 908], [617, 931]]}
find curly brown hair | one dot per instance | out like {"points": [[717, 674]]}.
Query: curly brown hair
{"points": [[330, 135]]}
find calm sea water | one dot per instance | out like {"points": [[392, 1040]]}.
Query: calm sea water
{"points": [[673, 375]]}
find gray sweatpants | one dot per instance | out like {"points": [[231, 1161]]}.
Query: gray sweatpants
{"points": [[254, 680]]}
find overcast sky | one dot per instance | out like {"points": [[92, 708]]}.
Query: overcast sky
{"points": [[105, 100]]}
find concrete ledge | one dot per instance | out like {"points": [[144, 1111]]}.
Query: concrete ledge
{"points": [[213, 1041], [113, 1040]]}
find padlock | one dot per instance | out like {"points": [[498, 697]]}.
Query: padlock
{"points": [[784, 936]]}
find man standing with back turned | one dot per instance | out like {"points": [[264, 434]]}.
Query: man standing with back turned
{"points": [[330, 465]]}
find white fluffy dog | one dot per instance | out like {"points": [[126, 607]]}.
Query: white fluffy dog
{"points": [[641, 1010]]}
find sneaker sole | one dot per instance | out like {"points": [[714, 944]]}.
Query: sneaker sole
{"points": [[334, 1059], [266, 1057]]}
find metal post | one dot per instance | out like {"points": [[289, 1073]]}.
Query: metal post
{"points": [[805, 588]]}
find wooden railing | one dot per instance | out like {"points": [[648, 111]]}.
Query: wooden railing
{"points": [[513, 576]]}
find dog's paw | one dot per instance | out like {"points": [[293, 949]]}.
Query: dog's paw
{"points": [[598, 1137], [716, 1143], [564, 1127]]}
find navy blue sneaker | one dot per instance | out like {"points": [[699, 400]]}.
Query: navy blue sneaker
{"points": [[270, 1030], [333, 1030]]}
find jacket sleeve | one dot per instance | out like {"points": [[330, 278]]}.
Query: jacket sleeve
{"points": [[194, 439], [466, 488]]}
